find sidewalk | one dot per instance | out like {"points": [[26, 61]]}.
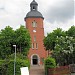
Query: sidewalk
{"points": [[72, 73], [39, 70]]}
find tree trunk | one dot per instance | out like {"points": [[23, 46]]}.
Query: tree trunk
{"points": [[20, 47]]}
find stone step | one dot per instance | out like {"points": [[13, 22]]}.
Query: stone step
{"points": [[37, 70]]}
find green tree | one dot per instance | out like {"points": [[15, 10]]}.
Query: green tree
{"points": [[63, 50], [9, 37], [6, 37], [23, 40], [63, 45], [71, 33], [50, 40]]}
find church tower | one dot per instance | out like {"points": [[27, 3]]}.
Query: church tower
{"points": [[34, 23]]}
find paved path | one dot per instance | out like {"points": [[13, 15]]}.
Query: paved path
{"points": [[37, 70], [72, 73]]}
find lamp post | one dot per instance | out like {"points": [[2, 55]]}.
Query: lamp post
{"points": [[14, 58]]}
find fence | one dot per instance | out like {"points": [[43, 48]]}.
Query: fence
{"points": [[62, 70], [72, 68]]}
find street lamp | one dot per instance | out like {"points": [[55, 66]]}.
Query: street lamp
{"points": [[14, 58]]}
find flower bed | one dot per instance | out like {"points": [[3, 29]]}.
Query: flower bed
{"points": [[62, 70]]}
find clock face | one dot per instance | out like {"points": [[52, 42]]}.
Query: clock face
{"points": [[34, 31]]}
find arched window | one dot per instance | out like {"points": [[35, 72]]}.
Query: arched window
{"points": [[35, 57], [34, 24], [32, 45], [33, 7], [36, 46], [34, 38]]}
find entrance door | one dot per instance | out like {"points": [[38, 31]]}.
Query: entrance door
{"points": [[35, 60]]}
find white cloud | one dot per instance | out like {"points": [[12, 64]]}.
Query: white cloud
{"points": [[12, 12], [62, 12]]}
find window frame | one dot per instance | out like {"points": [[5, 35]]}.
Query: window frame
{"points": [[34, 24], [36, 45], [32, 45]]}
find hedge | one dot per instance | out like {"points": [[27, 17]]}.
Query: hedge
{"points": [[2, 67], [7, 66], [49, 63]]}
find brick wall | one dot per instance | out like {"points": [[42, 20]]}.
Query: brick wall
{"points": [[62, 70], [39, 38]]}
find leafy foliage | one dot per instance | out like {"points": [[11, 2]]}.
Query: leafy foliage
{"points": [[7, 66], [9, 37], [71, 32], [49, 41], [6, 37], [62, 44], [49, 63], [23, 40]]}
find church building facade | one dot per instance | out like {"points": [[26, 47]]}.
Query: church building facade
{"points": [[34, 23]]}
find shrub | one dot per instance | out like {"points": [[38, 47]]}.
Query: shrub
{"points": [[19, 63], [49, 63], [2, 67], [18, 55], [7, 66]]}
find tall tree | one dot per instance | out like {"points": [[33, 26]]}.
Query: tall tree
{"points": [[23, 40], [9, 37], [6, 37], [62, 45], [71, 31], [50, 40]]}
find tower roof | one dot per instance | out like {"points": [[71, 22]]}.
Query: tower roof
{"points": [[34, 13], [33, 3]]}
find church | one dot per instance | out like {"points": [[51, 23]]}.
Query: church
{"points": [[34, 23]]}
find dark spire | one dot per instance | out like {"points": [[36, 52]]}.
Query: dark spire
{"points": [[34, 5]]}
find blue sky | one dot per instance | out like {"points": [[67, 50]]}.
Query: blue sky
{"points": [[57, 13]]}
